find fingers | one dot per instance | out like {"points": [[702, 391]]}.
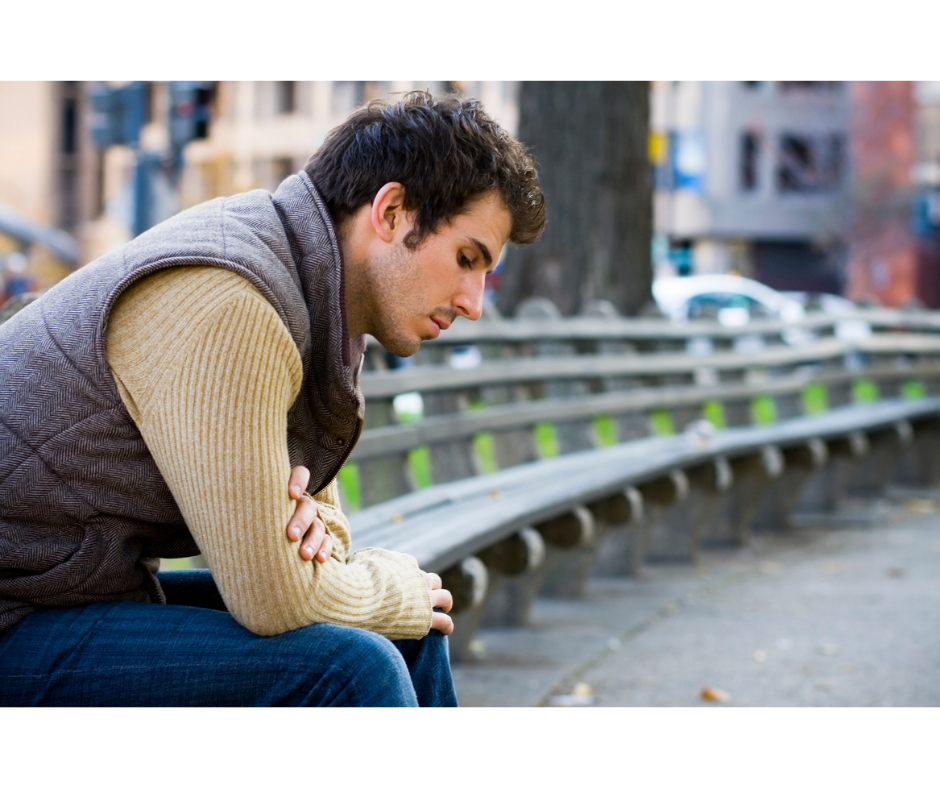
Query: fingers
{"points": [[442, 622], [442, 598], [326, 549], [304, 516], [299, 479], [317, 543], [305, 523]]}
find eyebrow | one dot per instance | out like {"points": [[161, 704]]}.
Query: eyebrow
{"points": [[481, 248]]}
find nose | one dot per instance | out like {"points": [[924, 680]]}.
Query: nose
{"points": [[469, 300]]}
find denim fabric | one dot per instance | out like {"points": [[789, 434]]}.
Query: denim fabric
{"points": [[136, 654]]}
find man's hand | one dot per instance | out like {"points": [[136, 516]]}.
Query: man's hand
{"points": [[440, 598], [306, 522]]}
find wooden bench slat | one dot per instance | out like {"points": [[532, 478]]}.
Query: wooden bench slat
{"points": [[480, 520], [509, 371], [462, 425]]}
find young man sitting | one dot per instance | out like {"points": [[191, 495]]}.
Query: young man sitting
{"points": [[196, 391]]}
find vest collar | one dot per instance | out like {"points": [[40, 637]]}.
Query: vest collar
{"points": [[319, 260], [331, 362]]}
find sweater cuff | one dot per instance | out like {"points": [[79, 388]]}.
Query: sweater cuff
{"points": [[412, 620]]}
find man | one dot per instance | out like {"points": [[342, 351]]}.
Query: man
{"points": [[197, 389]]}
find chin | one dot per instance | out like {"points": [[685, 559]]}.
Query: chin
{"points": [[401, 346]]}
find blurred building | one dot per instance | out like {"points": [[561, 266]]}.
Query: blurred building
{"points": [[45, 152], [825, 186], [258, 133], [926, 218], [882, 265], [752, 177], [47, 178]]}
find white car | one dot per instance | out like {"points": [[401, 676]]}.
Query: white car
{"points": [[731, 300], [736, 300]]}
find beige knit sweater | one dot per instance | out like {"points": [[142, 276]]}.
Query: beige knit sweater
{"points": [[208, 372]]}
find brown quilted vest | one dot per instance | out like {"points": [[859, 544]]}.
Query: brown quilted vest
{"points": [[83, 507]]}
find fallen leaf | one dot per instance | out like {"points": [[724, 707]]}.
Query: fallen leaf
{"points": [[828, 649], [760, 656], [580, 695], [919, 505], [477, 648], [715, 695]]}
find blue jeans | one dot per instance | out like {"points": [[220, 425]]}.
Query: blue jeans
{"points": [[191, 652]]}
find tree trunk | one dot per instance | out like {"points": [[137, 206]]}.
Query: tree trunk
{"points": [[590, 142]]}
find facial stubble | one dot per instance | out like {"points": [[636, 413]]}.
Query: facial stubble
{"points": [[394, 299]]}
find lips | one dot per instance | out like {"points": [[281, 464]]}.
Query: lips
{"points": [[439, 325]]}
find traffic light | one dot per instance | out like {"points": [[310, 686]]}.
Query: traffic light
{"points": [[117, 114], [190, 111]]}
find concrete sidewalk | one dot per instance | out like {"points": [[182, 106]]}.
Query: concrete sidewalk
{"points": [[844, 612]]}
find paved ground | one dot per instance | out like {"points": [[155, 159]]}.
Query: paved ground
{"points": [[839, 613]]}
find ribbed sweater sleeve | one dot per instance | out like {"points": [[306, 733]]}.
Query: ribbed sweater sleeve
{"points": [[208, 372]]}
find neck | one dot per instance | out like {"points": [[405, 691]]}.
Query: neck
{"points": [[353, 243], [355, 287]]}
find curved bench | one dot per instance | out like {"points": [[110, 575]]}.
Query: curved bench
{"points": [[544, 525]]}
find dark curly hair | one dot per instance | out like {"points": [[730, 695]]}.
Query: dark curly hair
{"points": [[446, 152]]}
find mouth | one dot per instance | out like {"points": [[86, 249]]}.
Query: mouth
{"points": [[439, 325]]}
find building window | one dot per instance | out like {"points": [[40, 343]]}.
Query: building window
{"points": [[285, 98], [98, 181], [815, 87], [749, 161], [347, 96], [67, 185], [69, 136], [810, 162]]}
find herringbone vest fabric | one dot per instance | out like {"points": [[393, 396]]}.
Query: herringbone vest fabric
{"points": [[83, 507]]}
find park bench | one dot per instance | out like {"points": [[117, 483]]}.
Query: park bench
{"points": [[639, 474]]}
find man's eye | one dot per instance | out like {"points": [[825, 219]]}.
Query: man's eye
{"points": [[464, 261]]}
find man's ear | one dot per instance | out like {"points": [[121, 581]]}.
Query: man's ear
{"points": [[388, 213]]}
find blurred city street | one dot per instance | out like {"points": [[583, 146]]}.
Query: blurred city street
{"points": [[839, 614], [736, 292]]}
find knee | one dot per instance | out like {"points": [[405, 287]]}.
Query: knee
{"points": [[365, 669], [373, 655], [428, 663], [437, 645], [432, 648]]}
